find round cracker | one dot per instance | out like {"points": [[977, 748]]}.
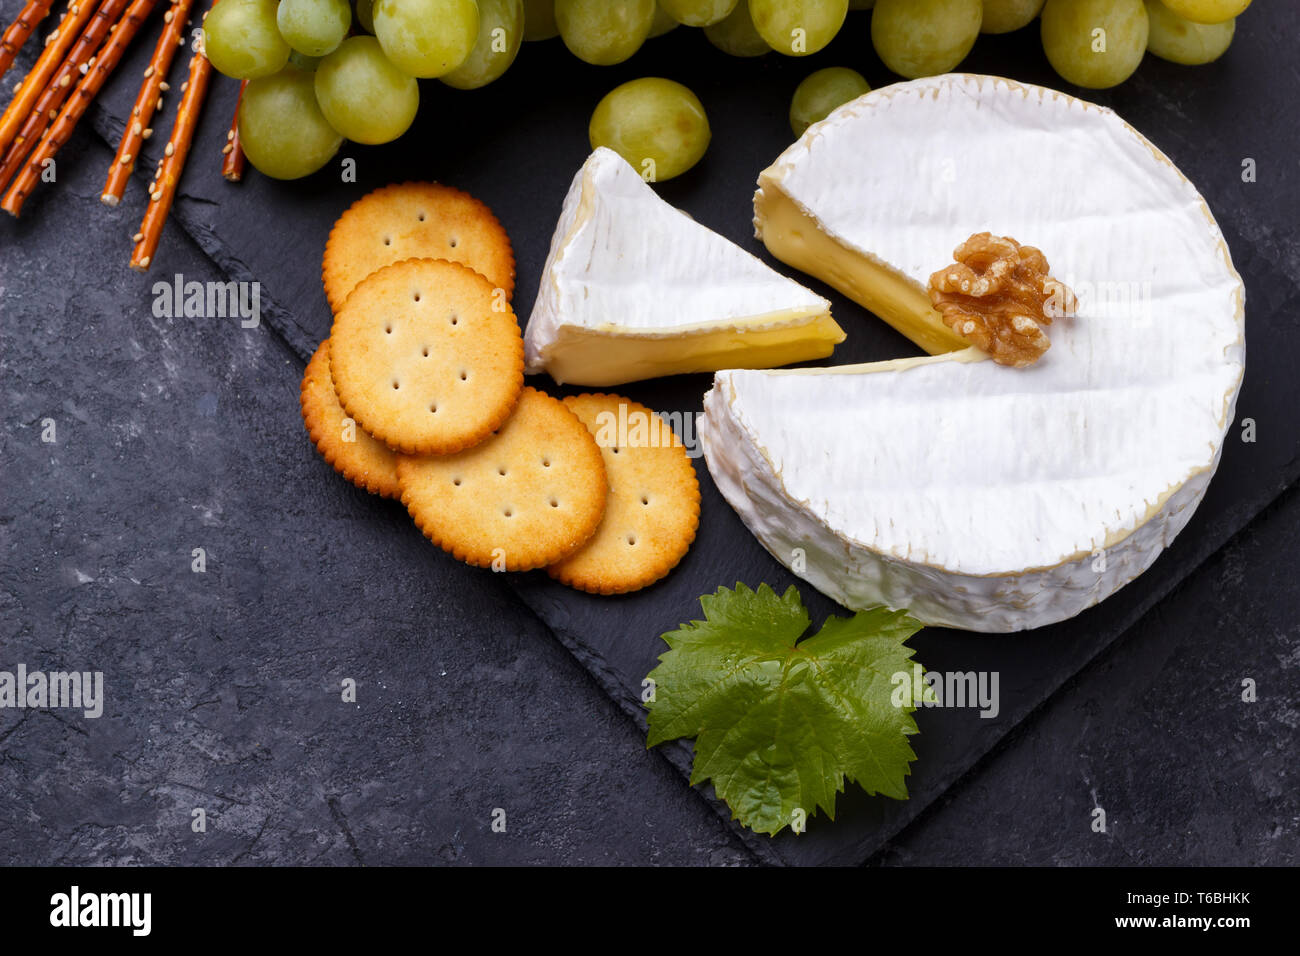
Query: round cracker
{"points": [[422, 361], [415, 221], [525, 498], [654, 499], [357, 456]]}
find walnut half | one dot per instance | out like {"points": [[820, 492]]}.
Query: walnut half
{"points": [[998, 295]]}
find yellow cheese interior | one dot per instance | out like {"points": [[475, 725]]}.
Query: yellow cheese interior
{"points": [[793, 236], [613, 355]]}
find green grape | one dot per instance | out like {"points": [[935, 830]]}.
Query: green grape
{"points": [[1180, 40], [241, 39], [1208, 11], [798, 27], [303, 62], [500, 34], [735, 35], [924, 37], [282, 131], [363, 95], [822, 92], [657, 125], [539, 20], [426, 37], [314, 27], [604, 32], [1095, 43], [1003, 16], [365, 15], [663, 22], [698, 13]]}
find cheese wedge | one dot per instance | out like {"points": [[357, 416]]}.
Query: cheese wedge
{"points": [[634, 288], [974, 495]]}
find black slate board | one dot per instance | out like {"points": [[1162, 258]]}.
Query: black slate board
{"points": [[517, 144]]}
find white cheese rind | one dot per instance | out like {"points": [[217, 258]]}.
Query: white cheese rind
{"points": [[974, 495], [857, 575], [625, 265]]}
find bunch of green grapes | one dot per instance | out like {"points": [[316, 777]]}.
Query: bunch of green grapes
{"points": [[1090, 43], [322, 71], [1099, 43], [311, 84]]}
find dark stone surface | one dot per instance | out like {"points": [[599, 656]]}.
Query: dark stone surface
{"points": [[223, 687], [1156, 733]]}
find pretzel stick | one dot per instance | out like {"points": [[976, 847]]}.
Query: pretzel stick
{"points": [[163, 189], [232, 167], [147, 101], [118, 40], [79, 61], [20, 30], [57, 45]]}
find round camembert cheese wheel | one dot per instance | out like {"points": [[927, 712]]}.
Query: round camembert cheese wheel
{"points": [[975, 495]]}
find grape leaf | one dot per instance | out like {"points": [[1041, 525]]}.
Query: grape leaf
{"points": [[780, 723]]}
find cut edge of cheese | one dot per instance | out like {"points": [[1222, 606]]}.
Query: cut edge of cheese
{"points": [[603, 317], [793, 236], [610, 355]]}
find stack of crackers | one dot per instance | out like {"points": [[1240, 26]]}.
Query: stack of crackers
{"points": [[418, 395]]}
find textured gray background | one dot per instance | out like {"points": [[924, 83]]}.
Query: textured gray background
{"points": [[223, 687]]}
